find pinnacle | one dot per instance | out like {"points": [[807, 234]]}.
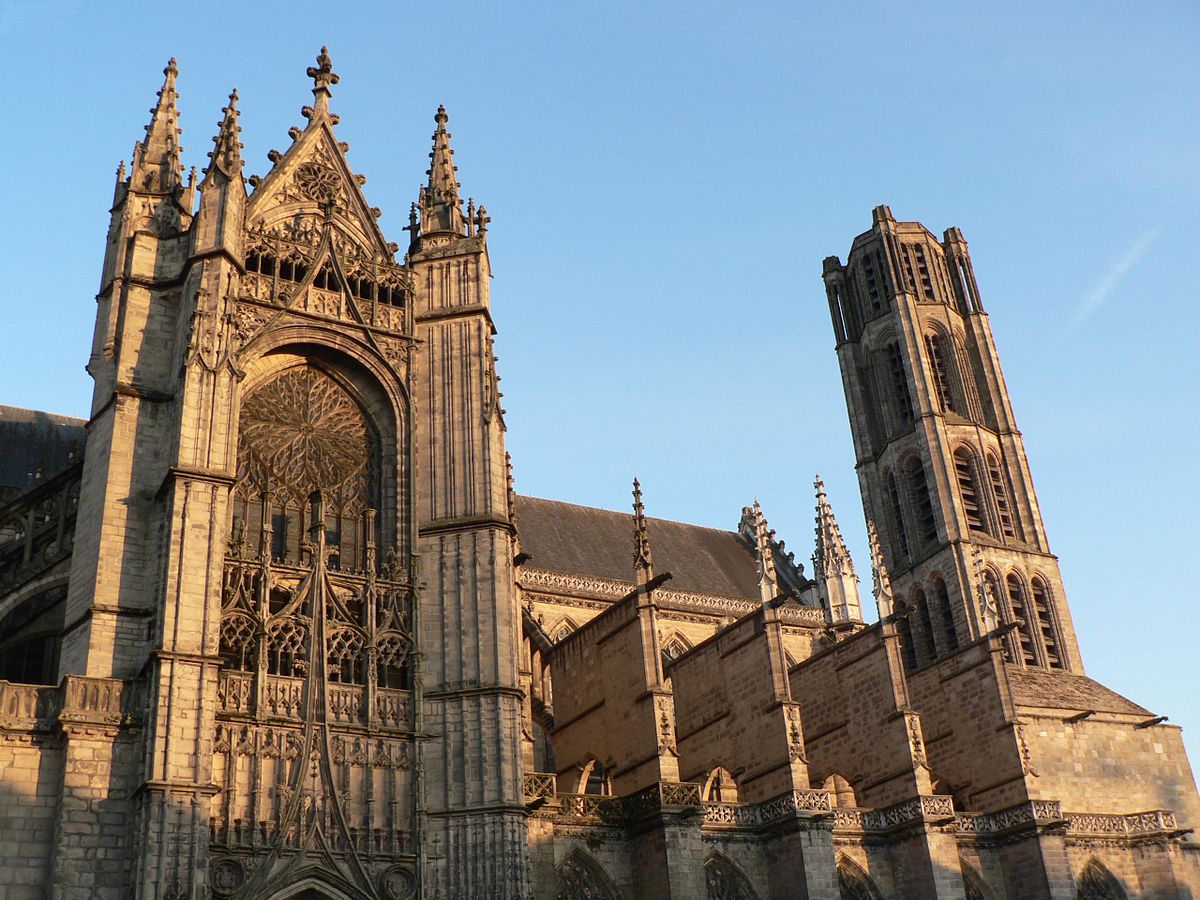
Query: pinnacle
{"points": [[227, 152], [831, 555], [439, 201], [642, 557], [157, 167], [442, 170]]}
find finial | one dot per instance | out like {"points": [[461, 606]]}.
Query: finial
{"points": [[322, 73], [441, 207], [768, 585], [882, 582], [227, 150], [323, 76], [156, 166], [642, 557], [510, 484], [831, 557]]}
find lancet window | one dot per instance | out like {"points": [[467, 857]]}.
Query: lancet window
{"points": [[1020, 615], [968, 490], [854, 883], [939, 365], [1046, 624], [1097, 883], [907, 651], [945, 615], [897, 514], [923, 503], [923, 630], [1000, 492], [724, 881], [901, 398], [580, 876]]}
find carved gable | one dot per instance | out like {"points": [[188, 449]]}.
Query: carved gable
{"points": [[312, 176]]}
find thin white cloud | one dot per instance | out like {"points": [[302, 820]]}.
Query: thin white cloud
{"points": [[1117, 271]]}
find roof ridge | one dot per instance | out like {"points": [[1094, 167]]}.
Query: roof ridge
{"points": [[617, 512], [6, 407]]}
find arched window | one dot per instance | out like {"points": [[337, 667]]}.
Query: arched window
{"points": [[720, 787], [1020, 615], [940, 369], [972, 882], [563, 630], [725, 881], [926, 649], [898, 385], [302, 433], [581, 876], [897, 516], [873, 280], [31, 638], [907, 651], [853, 882], [1046, 624], [1000, 493], [675, 646], [922, 502], [968, 490], [945, 615], [1097, 883]]}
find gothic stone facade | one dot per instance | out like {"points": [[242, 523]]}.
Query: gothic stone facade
{"points": [[282, 629]]}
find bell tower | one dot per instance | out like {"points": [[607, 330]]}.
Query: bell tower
{"points": [[941, 465]]}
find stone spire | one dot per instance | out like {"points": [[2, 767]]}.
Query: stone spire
{"points": [[323, 76], [768, 583], [226, 155], [831, 556], [833, 569], [882, 582], [220, 219], [439, 203], [643, 559], [156, 164]]}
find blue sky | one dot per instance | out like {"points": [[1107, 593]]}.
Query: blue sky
{"points": [[664, 181]]}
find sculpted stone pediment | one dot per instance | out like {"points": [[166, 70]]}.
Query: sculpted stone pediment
{"points": [[313, 176]]}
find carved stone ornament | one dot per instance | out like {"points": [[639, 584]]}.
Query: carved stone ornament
{"points": [[304, 433], [398, 883], [317, 182], [226, 877]]}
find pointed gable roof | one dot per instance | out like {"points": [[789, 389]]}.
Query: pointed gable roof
{"points": [[314, 175]]}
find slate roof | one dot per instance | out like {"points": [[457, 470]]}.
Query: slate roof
{"points": [[31, 439], [1058, 690], [582, 540]]}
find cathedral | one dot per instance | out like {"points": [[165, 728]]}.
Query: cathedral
{"points": [[275, 625]]}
